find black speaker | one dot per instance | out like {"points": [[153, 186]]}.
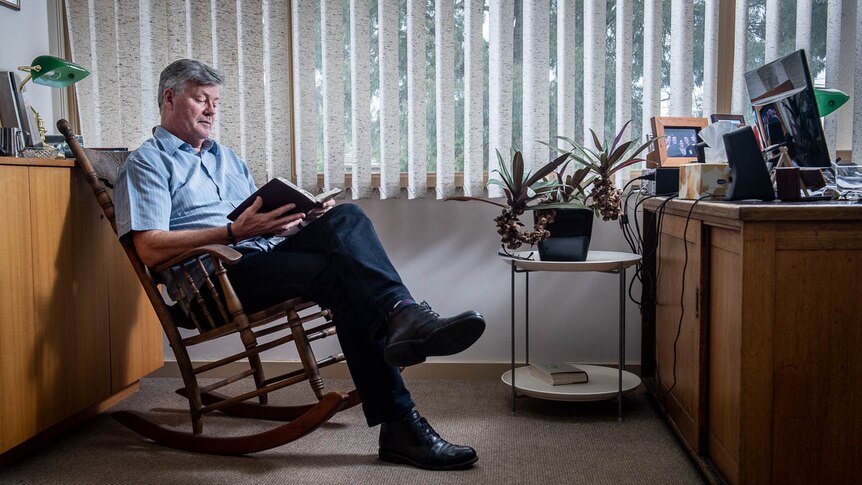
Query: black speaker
{"points": [[749, 178], [666, 181]]}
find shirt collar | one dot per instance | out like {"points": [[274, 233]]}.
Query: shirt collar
{"points": [[170, 143]]}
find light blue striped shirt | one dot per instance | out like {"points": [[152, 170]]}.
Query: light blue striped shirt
{"points": [[164, 185]]}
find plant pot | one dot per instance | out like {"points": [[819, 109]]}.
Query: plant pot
{"points": [[570, 236]]}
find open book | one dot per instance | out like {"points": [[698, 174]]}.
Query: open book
{"points": [[278, 192]]}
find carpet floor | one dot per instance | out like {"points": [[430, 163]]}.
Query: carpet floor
{"points": [[546, 442]]}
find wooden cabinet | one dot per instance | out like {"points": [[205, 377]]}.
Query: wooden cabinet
{"points": [[765, 387], [75, 327]]}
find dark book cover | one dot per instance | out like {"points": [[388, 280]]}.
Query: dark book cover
{"points": [[278, 192], [557, 373], [8, 101], [27, 117]]}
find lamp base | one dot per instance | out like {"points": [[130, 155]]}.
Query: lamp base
{"points": [[41, 152]]}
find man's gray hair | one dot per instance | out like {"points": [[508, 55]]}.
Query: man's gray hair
{"points": [[178, 73]]}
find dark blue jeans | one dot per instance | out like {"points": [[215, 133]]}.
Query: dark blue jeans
{"points": [[338, 262]]}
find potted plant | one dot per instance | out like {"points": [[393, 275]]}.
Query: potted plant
{"points": [[567, 217], [521, 189], [589, 190]]}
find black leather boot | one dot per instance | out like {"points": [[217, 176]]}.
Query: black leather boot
{"points": [[416, 332], [414, 442]]}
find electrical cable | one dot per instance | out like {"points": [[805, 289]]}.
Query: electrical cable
{"points": [[681, 299], [626, 227], [659, 218], [656, 250], [624, 219], [648, 176], [639, 267], [636, 243], [633, 237]]}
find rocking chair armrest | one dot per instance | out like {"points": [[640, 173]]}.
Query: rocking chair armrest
{"points": [[218, 252], [189, 277]]}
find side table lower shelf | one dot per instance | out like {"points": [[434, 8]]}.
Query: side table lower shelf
{"points": [[603, 384]]}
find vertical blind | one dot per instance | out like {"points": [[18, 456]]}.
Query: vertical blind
{"points": [[417, 142], [652, 60], [361, 87], [500, 89]]}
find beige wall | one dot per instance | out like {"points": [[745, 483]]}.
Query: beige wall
{"points": [[24, 36]]}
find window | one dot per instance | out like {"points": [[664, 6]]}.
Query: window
{"points": [[394, 118]]}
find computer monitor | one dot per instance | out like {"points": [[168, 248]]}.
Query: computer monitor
{"points": [[782, 96]]}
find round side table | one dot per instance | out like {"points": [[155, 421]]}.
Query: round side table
{"points": [[601, 379]]}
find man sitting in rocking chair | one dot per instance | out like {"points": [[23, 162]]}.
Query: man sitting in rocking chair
{"points": [[173, 194]]}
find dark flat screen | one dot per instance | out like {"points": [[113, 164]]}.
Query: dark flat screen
{"points": [[782, 96]]}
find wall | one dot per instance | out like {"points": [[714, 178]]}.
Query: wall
{"points": [[26, 35]]}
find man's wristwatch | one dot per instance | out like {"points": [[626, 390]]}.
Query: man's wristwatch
{"points": [[230, 235]]}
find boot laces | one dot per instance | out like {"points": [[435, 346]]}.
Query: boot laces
{"points": [[426, 307], [428, 431]]}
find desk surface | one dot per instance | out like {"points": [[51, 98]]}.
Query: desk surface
{"points": [[761, 211], [38, 162]]}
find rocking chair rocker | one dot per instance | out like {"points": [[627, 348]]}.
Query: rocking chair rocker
{"points": [[213, 309]]}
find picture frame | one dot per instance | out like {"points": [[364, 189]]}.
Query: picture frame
{"points": [[739, 120], [13, 4], [679, 136]]}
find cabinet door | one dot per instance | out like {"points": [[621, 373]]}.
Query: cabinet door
{"points": [[18, 415], [816, 337], [71, 350], [725, 348], [680, 337]]}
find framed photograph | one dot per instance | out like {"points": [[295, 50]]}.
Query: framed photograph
{"points": [[678, 138], [13, 4], [737, 120]]}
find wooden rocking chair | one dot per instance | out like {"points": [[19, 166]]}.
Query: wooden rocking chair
{"points": [[213, 309]]}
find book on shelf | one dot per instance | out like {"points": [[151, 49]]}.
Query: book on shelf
{"points": [[28, 119], [15, 110], [278, 192], [8, 101], [558, 373]]}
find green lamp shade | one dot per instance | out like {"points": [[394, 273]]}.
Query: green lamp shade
{"points": [[55, 72], [828, 100]]}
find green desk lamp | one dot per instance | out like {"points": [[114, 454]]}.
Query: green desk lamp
{"points": [[53, 72], [828, 100]]}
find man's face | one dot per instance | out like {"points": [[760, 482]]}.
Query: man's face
{"points": [[190, 115]]}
